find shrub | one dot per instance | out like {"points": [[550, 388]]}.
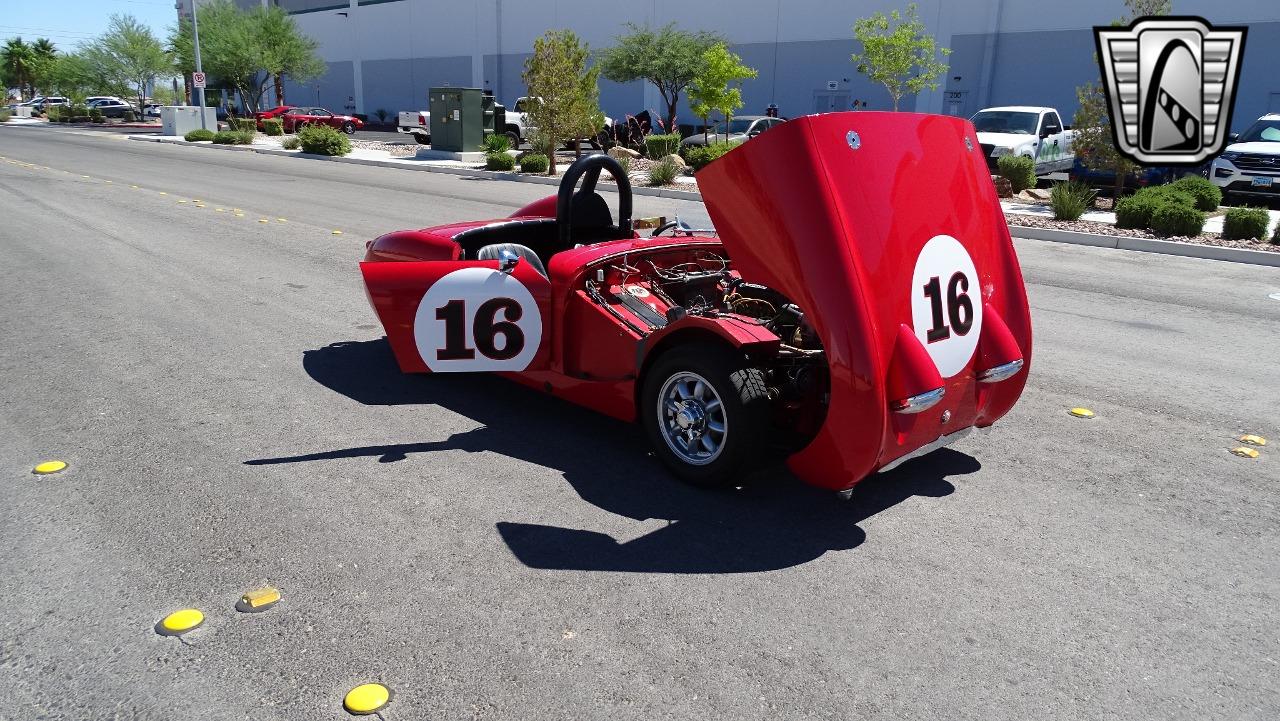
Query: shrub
{"points": [[1170, 219], [534, 163], [700, 156], [291, 143], [1245, 223], [1020, 171], [663, 173], [1207, 195], [1168, 194], [198, 135], [625, 162], [95, 114], [1070, 200], [129, 117], [232, 137], [243, 124], [660, 146], [496, 143], [4, 116], [499, 161], [273, 126], [52, 114], [323, 140], [1275, 239]]}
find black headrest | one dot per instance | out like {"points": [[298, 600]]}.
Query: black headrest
{"points": [[590, 211]]}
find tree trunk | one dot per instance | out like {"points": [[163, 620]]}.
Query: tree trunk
{"points": [[577, 149], [671, 112], [279, 89], [1118, 190]]}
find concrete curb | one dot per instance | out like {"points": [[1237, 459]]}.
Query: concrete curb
{"points": [[447, 170], [1149, 245]]}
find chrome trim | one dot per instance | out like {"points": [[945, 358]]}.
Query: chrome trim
{"points": [[942, 442], [1000, 372], [918, 403]]}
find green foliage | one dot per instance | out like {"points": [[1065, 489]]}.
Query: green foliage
{"points": [[198, 135], [1241, 223], [95, 114], [323, 140], [245, 124], [557, 73], [667, 57], [71, 75], [232, 137], [898, 53], [499, 161], [663, 173], [25, 65], [1137, 210], [273, 126], [4, 116], [127, 57], [658, 146], [1275, 237], [1019, 170], [534, 163], [710, 90], [700, 156], [129, 116], [625, 162], [496, 143], [1070, 200], [291, 143], [1176, 219], [1207, 195]]}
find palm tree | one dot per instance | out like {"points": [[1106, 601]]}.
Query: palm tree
{"points": [[16, 58]]}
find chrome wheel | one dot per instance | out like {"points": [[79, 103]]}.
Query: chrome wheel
{"points": [[691, 418]]}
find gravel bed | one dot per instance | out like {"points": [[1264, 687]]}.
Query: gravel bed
{"points": [[397, 150], [1087, 226]]}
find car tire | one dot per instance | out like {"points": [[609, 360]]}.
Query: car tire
{"points": [[422, 139], [514, 138], [713, 386], [349, 128]]}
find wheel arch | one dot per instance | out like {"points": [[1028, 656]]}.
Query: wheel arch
{"points": [[727, 333]]}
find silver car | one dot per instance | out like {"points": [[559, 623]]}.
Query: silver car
{"points": [[743, 127]]}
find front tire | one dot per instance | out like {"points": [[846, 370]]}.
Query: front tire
{"points": [[422, 139], [349, 128], [706, 411]]}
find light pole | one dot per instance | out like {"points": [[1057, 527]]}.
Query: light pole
{"points": [[195, 31]]}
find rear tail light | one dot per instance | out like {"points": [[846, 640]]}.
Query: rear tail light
{"points": [[999, 357], [422, 120], [914, 384]]}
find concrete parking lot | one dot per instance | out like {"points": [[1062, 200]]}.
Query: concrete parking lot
{"points": [[232, 417]]}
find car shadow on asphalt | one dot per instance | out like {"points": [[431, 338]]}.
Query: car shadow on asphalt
{"points": [[774, 522]]}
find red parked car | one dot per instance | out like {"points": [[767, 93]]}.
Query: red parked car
{"points": [[275, 112], [861, 304], [295, 118]]}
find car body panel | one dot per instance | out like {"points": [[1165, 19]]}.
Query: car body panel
{"points": [[299, 116]]}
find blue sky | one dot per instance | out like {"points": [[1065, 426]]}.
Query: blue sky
{"points": [[67, 22]]}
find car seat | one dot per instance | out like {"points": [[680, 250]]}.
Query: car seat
{"points": [[524, 252]]}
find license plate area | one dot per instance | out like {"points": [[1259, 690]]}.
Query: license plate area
{"points": [[1262, 182]]}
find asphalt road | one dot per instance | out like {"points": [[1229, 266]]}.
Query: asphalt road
{"points": [[232, 418]]}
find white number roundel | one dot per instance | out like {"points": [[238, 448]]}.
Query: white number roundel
{"points": [[477, 319], [946, 303]]}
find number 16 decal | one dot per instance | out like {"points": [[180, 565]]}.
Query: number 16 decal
{"points": [[477, 319], [945, 317]]}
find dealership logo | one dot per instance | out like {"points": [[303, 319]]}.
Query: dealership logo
{"points": [[1170, 85]]}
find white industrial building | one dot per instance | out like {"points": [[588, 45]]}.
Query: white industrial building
{"points": [[385, 54]]}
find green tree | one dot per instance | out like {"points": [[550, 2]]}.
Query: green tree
{"points": [[43, 55], [710, 90], [285, 50], [71, 75], [16, 63], [898, 53], [1093, 141], [128, 56], [668, 58], [568, 90], [182, 51]]}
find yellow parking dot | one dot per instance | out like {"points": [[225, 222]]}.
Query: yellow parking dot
{"points": [[134, 187], [108, 182], [47, 467], [263, 220], [259, 599], [337, 232], [163, 193], [182, 202], [197, 200], [1253, 440], [219, 210], [366, 698], [281, 220], [84, 176], [1081, 412], [179, 622], [1245, 452], [236, 210]]}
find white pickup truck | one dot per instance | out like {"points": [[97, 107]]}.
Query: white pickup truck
{"points": [[416, 123], [1033, 132]]}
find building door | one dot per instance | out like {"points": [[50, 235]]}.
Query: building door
{"points": [[955, 103], [828, 101]]}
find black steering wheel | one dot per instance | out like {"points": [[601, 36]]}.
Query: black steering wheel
{"points": [[588, 170]]}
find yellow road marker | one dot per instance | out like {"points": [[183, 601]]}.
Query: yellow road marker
{"points": [[197, 200], [47, 467], [337, 232], [134, 187], [1081, 412], [258, 600], [219, 210], [1253, 440], [108, 182], [84, 176], [281, 220], [263, 220], [179, 622], [182, 202], [236, 210], [1245, 452], [366, 698], [163, 193]]}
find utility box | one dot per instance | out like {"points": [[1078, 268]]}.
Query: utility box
{"points": [[460, 119], [182, 119]]}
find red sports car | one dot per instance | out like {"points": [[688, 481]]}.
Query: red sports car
{"points": [[861, 304], [275, 112], [296, 118]]}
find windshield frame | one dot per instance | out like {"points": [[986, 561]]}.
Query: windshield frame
{"points": [[1008, 116]]}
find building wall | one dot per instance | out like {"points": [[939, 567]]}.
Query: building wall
{"points": [[1004, 51]]}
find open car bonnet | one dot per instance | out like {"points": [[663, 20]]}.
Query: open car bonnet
{"points": [[886, 230]]}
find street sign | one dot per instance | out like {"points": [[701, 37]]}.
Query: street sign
{"points": [[197, 80]]}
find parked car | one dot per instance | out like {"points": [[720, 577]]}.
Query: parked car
{"points": [[151, 110], [1140, 178], [519, 128], [1250, 165], [1033, 132], [836, 320], [296, 118], [739, 129], [39, 104], [416, 123], [276, 112], [112, 107]]}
